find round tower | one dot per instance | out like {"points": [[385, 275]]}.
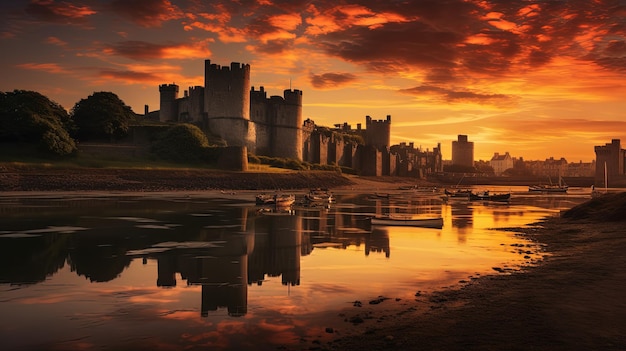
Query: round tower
{"points": [[288, 126], [227, 102], [168, 105]]}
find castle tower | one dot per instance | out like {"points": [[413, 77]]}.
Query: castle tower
{"points": [[288, 126], [168, 105], [463, 152], [612, 155], [227, 103], [378, 133]]}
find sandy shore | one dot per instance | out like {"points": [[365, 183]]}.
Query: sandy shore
{"points": [[573, 300]]}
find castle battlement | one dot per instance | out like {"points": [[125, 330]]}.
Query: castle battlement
{"points": [[168, 87], [370, 121]]}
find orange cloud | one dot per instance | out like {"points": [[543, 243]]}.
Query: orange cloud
{"points": [[141, 50], [46, 67], [56, 41]]}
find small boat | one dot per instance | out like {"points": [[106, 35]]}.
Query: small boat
{"points": [[319, 195], [486, 196], [549, 188], [426, 222], [458, 193], [276, 199]]}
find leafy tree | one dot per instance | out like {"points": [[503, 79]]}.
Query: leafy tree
{"points": [[102, 116], [29, 117], [182, 142]]}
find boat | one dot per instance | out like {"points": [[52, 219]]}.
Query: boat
{"points": [[276, 199], [426, 222], [550, 188], [487, 196], [458, 193], [319, 195]]}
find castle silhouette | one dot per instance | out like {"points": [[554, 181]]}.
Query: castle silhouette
{"points": [[230, 108]]}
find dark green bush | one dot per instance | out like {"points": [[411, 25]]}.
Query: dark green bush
{"points": [[182, 142]]}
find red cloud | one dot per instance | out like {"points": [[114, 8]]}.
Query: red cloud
{"points": [[147, 13], [58, 12]]}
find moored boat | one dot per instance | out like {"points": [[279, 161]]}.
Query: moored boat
{"points": [[458, 193], [276, 199], [487, 196], [426, 222], [561, 187], [319, 195]]}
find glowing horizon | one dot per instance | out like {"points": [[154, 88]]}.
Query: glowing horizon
{"points": [[539, 80]]}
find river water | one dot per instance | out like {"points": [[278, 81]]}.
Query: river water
{"points": [[212, 271]]}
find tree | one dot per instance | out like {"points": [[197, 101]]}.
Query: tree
{"points": [[182, 142], [29, 117], [102, 116]]}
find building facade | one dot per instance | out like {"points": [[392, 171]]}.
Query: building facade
{"points": [[501, 163]]}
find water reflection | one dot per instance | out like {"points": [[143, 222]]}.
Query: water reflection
{"points": [[220, 259]]}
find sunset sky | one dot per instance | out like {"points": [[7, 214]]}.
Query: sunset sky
{"points": [[538, 79]]}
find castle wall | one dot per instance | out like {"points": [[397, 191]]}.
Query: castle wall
{"points": [[307, 146], [392, 163], [370, 161], [278, 123], [323, 149], [233, 158], [191, 106]]}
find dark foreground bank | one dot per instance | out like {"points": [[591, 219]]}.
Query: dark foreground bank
{"points": [[573, 300], [90, 179]]}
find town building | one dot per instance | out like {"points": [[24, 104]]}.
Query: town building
{"points": [[501, 163]]}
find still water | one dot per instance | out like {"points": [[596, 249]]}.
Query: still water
{"points": [[206, 271]]}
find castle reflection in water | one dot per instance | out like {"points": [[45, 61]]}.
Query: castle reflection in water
{"points": [[221, 245]]}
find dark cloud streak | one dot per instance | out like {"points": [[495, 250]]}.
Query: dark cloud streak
{"points": [[331, 80]]}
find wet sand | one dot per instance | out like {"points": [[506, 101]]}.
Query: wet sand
{"points": [[572, 300]]}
